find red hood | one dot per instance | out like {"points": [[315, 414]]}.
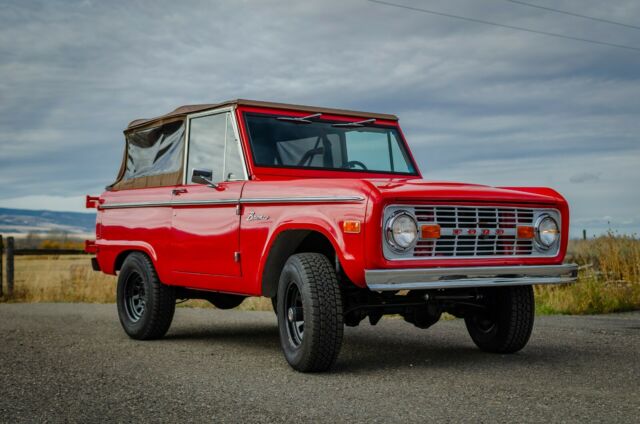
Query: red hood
{"points": [[416, 189]]}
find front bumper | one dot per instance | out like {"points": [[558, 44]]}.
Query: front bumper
{"points": [[487, 276]]}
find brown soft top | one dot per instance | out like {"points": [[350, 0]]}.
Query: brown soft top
{"points": [[187, 109]]}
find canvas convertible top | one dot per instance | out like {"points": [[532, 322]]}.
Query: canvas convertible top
{"points": [[154, 150], [183, 111]]}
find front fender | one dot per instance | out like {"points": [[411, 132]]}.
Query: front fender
{"points": [[348, 247]]}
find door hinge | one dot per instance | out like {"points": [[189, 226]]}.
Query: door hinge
{"points": [[236, 256]]}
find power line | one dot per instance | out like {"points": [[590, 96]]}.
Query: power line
{"points": [[565, 12], [517, 28]]}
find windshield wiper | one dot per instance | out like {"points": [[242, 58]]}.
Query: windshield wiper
{"points": [[299, 120], [355, 124]]}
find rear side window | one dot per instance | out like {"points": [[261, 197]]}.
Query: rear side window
{"points": [[155, 151]]}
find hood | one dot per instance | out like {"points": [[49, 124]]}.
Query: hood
{"points": [[416, 189]]}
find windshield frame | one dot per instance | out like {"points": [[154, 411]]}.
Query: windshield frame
{"points": [[293, 170]]}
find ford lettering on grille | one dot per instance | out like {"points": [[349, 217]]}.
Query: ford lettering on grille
{"points": [[473, 231]]}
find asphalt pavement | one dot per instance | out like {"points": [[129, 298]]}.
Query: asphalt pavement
{"points": [[73, 363]]}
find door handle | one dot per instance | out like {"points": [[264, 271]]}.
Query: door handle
{"points": [[178, 191]]}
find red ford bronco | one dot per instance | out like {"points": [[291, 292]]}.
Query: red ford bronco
{"points": [[325, 212]]}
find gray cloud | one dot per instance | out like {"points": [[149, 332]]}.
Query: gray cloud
{"points": [[477, 103], [585, 177]]}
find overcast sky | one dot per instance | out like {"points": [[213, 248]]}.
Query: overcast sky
{"points": [[477, 103]]}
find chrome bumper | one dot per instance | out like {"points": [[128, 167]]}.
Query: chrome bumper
{"points": [[450, 278]]}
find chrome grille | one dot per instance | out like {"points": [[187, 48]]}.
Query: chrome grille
{"points": [[474, 231]]}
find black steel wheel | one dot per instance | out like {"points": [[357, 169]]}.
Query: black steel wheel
{"points": [[145, 305], [135, 296], [505, 323], [295, 314], [309, 310]]}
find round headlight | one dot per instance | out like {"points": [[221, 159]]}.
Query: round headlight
{"points": [[547, 231], [401, 231]]}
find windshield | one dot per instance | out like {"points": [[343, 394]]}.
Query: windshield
{"points": [[315, 144]]}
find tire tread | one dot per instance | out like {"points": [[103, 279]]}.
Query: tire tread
{"points": [[326, 298], [163, 305], [515, 314]]}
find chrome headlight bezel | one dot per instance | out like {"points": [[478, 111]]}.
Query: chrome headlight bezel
{"points": [[540, 235], [390, 235]]}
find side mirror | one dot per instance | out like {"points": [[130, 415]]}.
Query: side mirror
{"points": [[203, 176]]}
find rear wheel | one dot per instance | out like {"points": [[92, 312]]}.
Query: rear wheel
{"points": [[145, 305], [506, 322], [309, 309]]}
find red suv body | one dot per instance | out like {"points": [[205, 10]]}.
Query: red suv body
{"points": [[248, 198]]}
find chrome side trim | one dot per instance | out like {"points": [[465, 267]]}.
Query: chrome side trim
{"points": [[263, 200], [203, 202], [329, 199], [465, 277], [134, 205]]}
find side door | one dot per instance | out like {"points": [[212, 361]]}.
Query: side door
{"points": [[205, 223]]}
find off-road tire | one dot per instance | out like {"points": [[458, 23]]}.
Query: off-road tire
{"points": [[511, 312], [315, 278], [160, 301]]}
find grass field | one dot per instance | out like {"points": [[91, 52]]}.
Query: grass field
{"points": [[609, 280], [70, 278]]}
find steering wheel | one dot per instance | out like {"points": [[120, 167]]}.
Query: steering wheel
{"points": [[353, 163]]}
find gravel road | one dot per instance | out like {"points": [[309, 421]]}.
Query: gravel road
{"points": [[72, 362]]}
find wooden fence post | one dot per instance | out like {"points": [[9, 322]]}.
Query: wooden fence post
{"points": [[1, 259], [10, 248], [584, 234]]}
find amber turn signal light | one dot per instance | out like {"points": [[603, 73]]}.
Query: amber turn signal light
{"points": [[525, 232], [430, 231], [351, 227]]}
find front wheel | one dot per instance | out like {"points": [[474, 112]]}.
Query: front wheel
{"points": [[504, 324], [145, 305], [309, 310]]}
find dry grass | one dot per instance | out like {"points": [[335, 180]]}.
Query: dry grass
{"points": [[60, 279], [609, 282], [71, 279], [609, 279]]}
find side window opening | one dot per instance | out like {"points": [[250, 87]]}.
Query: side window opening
{"points": [[233, 167], [214, 146], [206, 145]]}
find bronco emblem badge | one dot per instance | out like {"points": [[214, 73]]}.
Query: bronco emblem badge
{"points": [[254, 217]]}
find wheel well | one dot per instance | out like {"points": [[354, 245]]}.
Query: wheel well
{"points": [[289, 243], [121, 258]]}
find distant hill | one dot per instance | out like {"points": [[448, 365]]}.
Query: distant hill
{"points": [[24, 221]]}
